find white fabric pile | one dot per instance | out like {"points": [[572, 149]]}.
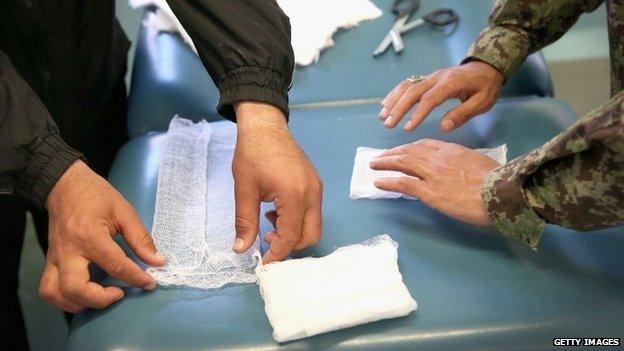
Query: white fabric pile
{"points": [[353, 285], [194, 228], [194, 218], [363, 177], [313, 22]]}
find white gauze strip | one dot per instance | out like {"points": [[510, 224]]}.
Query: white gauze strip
{"points": [[363, 177], [194, 217], [353, 285]]}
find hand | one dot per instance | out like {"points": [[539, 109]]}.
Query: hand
{"points": [[269, 166], [85, 212], [450, 177], [476, 84]]}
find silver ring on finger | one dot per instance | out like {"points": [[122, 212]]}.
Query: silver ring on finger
{"points": [[416, 79]]}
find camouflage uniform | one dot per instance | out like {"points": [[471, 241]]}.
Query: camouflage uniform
{"points": [[575, 180]]}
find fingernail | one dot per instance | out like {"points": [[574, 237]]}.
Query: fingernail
{"points": [[388, 121], [448, 125], [238, 244], [161, 257], [408, 125], [151, 286], [383, 102], [383, 113], [119, 297]]}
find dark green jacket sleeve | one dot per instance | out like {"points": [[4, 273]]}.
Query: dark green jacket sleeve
{"points": [[32, 154], [244, 45], [519, 28], [575, 180]]}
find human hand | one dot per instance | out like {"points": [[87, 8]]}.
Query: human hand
{"points": [[269, 166], [449, 175], [476, 84], [85, 211]]}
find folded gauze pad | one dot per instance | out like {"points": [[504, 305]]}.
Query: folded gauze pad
{"points": [[353, 285], [363, 177]]}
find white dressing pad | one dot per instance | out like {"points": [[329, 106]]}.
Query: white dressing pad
{"points": [[194, 217], [313, 22], [363, 177], [353, 285]]}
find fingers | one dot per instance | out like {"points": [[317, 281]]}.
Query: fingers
{"points": [[405, 163], [430, 100], [247, 216], [311, 228], [462, 113], [50, 290], [136, 235], [76, 287], [111, 258], [406, 185], [424, 146], [288, 228], [410, 97], [393, 96]]}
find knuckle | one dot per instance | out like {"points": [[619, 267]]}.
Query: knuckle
{"points": [[242, 223], [146, 241], [47, 292], [114, 266], [71, 291]]}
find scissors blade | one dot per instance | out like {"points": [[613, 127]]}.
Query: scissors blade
{"points": [[383, 46], [393, 37]]}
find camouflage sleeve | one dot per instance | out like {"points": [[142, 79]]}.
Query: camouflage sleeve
{"points": [[517, 28], [575, 180]]}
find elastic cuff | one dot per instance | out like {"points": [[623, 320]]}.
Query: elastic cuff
{"points": [[252, 84], [501, 47], [505, 203], [49, 160]]}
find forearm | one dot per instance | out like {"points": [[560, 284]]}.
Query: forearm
{"points": [[244, 45], [575, 180], [518, 28], [33, 154]]}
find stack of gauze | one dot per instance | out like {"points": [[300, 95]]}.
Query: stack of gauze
{"points": [[194, 217], [353, 285], [363, 177]]}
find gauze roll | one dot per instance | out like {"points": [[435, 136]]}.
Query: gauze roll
{"points": [[353, 285], [194, 217], [363, 177]]}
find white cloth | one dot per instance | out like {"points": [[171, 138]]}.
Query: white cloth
{"points": [[313, 22], [363, 177], [194, 217], [353, 285]]}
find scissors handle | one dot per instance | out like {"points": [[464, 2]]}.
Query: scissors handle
{"points": [[441, 17], [404, 10]]}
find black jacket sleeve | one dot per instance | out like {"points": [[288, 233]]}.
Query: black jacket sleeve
{"points": [[244, 45], [32, 154]]}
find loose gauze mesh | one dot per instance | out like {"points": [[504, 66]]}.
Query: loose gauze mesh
{"points": [[194, 217]]}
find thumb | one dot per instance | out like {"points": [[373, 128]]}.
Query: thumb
{"points": [[246, 222], [136, 235]]}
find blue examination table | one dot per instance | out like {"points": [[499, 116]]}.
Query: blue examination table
{"points": [[476, 289]]}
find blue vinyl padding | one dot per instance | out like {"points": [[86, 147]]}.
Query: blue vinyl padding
{"points": [[476, 289], [169, 78]]}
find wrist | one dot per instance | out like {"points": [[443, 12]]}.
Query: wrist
{"points": [[252, 114], [59, 190]]}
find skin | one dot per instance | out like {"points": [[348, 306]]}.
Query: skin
{"points": [[85, 212], [449, 175], [476, 84]]}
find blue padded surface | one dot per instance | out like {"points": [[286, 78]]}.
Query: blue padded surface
{"points": [[169, 78], [476, 290]]}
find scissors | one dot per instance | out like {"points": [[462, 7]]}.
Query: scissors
{"points": [[441, 17]]}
